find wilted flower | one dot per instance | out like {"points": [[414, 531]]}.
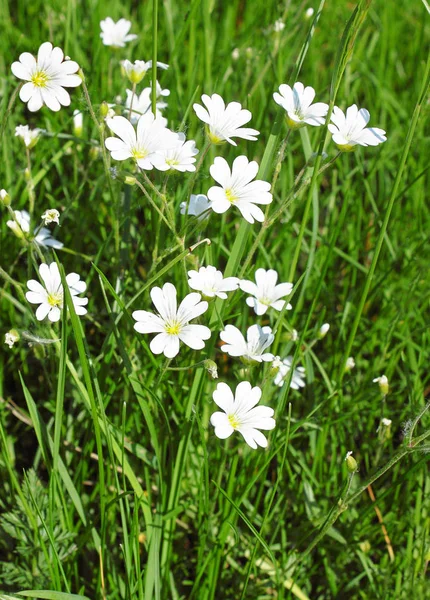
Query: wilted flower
{"points": [[298, 104], [241, 413], [30, 137], [21, 228], [172, 323], [51, 216], [284, 366], [198, 206], [180, 157], [350, 130], [383, 384], [211, 283], [224, 122], [136, 71], [11, 337], [46, 78], [265, 291], [211, 368], [253, 348], [50, 296], [238, 189], [116, 34]]}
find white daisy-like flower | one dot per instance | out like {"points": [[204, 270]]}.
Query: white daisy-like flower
{"points": [[151, 137], [349, 131], [180, 157], [224, 122], [253, 348], [297, 380], [238, 188], [11, 337], [30, 137], [172, 324], [198, 206], [46, 78], [136, 71], [116, 34], [142, 103], [298, 104], [51, 216], [21, 228], [265, 292], [241, 413], [50, 296], [210, 282]]}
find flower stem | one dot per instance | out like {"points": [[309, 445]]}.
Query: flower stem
{"points": [[154, 56]]}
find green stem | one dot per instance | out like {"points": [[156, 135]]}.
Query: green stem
{"points": [[154, 56]]}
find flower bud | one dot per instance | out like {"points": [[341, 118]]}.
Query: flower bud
{"points": [[104, 109], [309, 14], [27, 174], [351, 463], [383, 384], [78, 120], [211, 368], [323, 331], [129, 180], [5, 198], [11, 337], [350, 364], [276, 365], [235, 54], [384, 430]]}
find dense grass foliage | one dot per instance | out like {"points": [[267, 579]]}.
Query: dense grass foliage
{"points": [[113, 483]]}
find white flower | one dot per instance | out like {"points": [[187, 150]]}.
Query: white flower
{"points": [[386, 422], [21, 228], [179, 157], [241, 414], [265, 291], [46, 78], [278, 26], [11, 337], [142, 103], [198, 206], [297, 380], [50, 296], [323, 330], [309, 13], [298, 104], [350, 130], [30, 137], [116, 34], [252, 349], [238, 189], [211, 283], [51, 216], [224, 122], [78, 121], [136, 71], [152, 137], [383, 384], [172, 323]]}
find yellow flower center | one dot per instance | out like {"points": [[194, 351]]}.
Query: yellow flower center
{"points": [[233, 420], [138, 153], [40, 79], [173, 328], [230, 195], [172, 161], [347, 147], [294, 124], [214, 138], [55, 299]]}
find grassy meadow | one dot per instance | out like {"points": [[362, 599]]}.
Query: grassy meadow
{"points": [[114, 485]]}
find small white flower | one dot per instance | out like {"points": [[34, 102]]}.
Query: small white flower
{"points": [[383, 384], [21, 228], [11, 337], [297, 380], [386, 422], [265, 291], [142, 103], [211, 283], [224, 122], [116, 34], [253, 348], [136, 71], [350, 130], [50, 296], [51, 216], [30, 137], [238, 188], [241, 413], [278, 26], [78, 122], [46, 78], [198, 206], [309, 13], [323, 330], [151, 137], [180, 157], [350, 364], [298, 104], [172, 323]]}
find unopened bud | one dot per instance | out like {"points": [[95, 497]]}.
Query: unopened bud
{"points": [[309, 14], [384, 430], [350, 364], [5, 198], [27, 174], [104, 109], [235, 54], [129, 180], [78, 121], [323, 331], [211, 368], [351, 463], [383, 384]]}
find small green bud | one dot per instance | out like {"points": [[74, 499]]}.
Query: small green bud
{"points": [[211, 368], [383, 384], [104, 109], [351, 463], [129, 180], [5, 198]]}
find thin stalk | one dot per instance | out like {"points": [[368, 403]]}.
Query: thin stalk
{"points": [[154, 56]]}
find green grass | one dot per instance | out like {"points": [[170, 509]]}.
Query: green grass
{"points": [[113, 483]]}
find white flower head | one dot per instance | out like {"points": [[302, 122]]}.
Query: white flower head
{"points": [[78, 122], [298, 104], [349, 131], [323, 330], [30, 137], [46, 78], [180, 157], [151, 137], [21, 228], [172, 324], [142, 103], [383, 384], [51, 216], [50, 296], [116, 34], [241, 413], [211, 282], [350, 364], [309, 13], [198, 206], [297, 380], [11, 337], [386, 422], [253, 348], [224, 122], [278, 26], [136, 71], [238, 188], [265, 292]]}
